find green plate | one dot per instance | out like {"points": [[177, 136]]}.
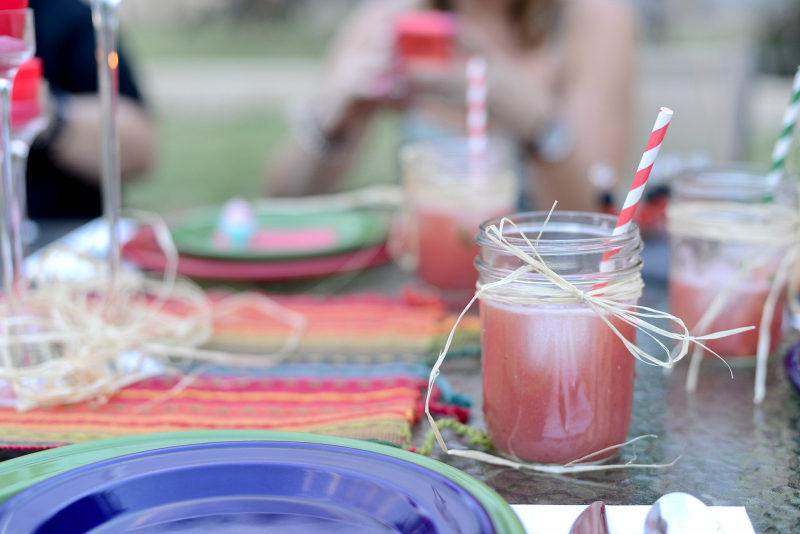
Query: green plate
{"points": [[20, 473], [281, 236]]}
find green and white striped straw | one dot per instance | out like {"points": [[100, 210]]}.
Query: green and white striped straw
{"points": [[784, 142]]}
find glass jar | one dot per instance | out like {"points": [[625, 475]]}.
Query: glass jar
{"points": [[728, 229], [447, 197], [557, 381]]}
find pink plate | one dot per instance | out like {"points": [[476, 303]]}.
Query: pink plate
{"points": [[144, 252]]}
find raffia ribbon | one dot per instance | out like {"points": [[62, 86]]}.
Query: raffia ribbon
{"points": [[772, 226], [612, 298], [65, 350]]}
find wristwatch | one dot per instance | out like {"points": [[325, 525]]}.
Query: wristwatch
{"points": [[554, 142], [56, 118]]}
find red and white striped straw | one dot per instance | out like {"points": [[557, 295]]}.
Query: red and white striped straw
{"points": [[640, 180], [476, 107]]}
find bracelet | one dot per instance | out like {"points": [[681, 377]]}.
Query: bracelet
{"points": [[554, 143], [309, 135]]}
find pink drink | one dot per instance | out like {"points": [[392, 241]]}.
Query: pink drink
{"points": [[690, 296], [12, 45], [557, 381], [13, 52], [447, 247], [720, 219]]}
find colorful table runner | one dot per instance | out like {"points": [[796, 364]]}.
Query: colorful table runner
{"points": [[360, 371], [377, 402], [353, 328]]}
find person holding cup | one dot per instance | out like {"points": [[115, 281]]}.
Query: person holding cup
{"points": [[559, 87]]}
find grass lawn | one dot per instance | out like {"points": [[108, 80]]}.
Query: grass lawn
{"points": [[206, 161], [290, 37]]}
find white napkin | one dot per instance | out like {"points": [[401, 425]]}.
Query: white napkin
{"points": [[91, 239], [552, 519]]}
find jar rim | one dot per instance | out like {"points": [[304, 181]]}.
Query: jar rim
{"points": [[742, 175], [458, 143], [530, 224], [580, 280]]}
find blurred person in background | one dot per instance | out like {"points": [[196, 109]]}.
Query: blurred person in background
{"points": [[559, 83], [63, 179]]}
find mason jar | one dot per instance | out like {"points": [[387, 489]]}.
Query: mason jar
{"points": [[729, 227], [557, 380], [448, 194]]}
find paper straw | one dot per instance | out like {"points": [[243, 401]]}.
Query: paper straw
{"points": [[476, 107], [639, 180], [784, 142]]}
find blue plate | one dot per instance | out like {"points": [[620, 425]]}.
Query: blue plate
{"points": [[244, 487]]}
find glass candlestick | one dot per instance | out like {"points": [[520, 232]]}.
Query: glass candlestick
{"points": [[17, 45], [21, 140], [105, 17], [29, 99]]}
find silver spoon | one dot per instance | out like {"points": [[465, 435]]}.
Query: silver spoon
{"points": [[680, 513]]}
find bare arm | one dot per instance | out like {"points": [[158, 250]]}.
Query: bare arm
{"points": [[596, 105], [77, 146], [356, 82], [299, 170]]}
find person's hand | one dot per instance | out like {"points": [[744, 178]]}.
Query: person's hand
{"points": [[520, 90], [363, 72]]}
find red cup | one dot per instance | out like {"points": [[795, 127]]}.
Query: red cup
{"points": [[426, 35], [13, 4], [25, 101]]}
